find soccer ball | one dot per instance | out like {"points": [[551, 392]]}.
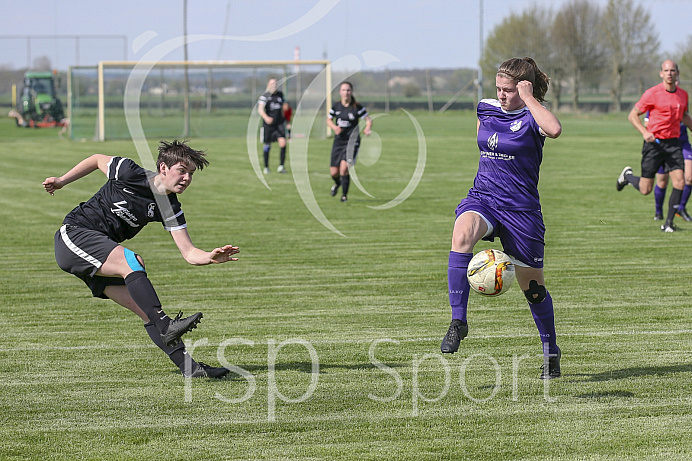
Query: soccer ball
{"points": [[490, 272]]}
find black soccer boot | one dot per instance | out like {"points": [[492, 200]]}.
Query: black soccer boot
{"points": [[207, 371], [553, 370], [178, 327], [457, 331], [622, 180], [683, 214]]}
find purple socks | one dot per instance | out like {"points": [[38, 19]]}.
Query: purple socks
{"points": [[458, 283]]}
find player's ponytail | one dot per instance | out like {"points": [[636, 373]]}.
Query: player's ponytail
{"points": [[519, 69]]}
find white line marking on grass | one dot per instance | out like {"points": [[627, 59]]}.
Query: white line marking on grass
{"points": [[353, 341]]}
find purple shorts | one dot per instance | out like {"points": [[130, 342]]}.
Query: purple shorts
{"points": [[521, 233]]}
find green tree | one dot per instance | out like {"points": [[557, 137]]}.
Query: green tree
{"points": [[629, 39], [518, 35], [576, 36], [684, 59]]}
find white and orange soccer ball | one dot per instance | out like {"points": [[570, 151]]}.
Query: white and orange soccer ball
{"points": [[490, 272]]}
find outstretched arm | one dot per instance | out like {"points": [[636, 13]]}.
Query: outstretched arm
{"points": [[197, 257], [83, 168]]}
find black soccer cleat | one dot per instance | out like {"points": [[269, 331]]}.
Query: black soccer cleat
{"points": [[178, 327], [669, 228], [658, 217], [207, 371], [334, 189], [553, 362], [683, 214], [458, 330], [344, 198], [622, 180]]}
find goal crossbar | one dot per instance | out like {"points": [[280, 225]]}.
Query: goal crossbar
{"points": [[102, 65]]}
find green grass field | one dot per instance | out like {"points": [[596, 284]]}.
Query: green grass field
{"points": [[338, 337]]}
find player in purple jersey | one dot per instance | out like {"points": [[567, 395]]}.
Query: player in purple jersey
{"points": [[88, 243], [504, 201], [662, 181]]}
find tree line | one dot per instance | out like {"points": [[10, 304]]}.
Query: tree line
{"points": [[583, 44]]}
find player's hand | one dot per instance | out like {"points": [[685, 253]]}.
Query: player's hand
{"points": [[337, 130], [224, 254], [525, 89], [269, 120], [367, 131], [649, 137], [52, 184]]}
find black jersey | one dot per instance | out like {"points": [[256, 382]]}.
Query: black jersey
{"points": [[274, 106], [126, 203], [346, 118]]}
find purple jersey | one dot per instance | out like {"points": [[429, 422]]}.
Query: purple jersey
{"points": [[511, 151]]}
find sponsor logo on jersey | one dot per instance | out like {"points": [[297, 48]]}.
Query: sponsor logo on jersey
{"points": [[123, 213], [515, 126], [492, 141]]}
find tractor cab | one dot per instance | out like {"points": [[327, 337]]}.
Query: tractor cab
{"points": [[39, 105]]}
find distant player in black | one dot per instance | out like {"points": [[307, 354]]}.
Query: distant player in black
{"points": [[343, 120], [271, 107], [88, 243]]}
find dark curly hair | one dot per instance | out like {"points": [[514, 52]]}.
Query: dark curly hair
{"points": [[176, 151], [519, 69]]}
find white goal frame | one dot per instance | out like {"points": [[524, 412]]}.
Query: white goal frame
{"points": [[101, 122]]}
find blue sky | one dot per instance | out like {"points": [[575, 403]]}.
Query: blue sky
{"points": [[418, 33]]}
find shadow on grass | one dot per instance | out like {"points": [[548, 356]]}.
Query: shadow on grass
{"points": [[305, 367], [603, 395], [635, 372]]}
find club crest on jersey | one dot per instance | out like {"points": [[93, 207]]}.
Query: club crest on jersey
{"points": [[492, 142], [515, 125], [350, 116], [150, 210]]}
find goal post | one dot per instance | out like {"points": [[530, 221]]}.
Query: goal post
{"points": [[222, 95]]}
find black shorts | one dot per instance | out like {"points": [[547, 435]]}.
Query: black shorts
{"points": [[345, 151], [271, 133], [666, 153], [82, 252]]}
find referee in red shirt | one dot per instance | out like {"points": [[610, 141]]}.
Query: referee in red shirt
{"points": [[667, 105]]}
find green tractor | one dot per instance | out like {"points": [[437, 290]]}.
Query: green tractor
{"points": [[38, 104]]}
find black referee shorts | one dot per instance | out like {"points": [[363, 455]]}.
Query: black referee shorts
{"points": [[82, 252], [666, 153]]}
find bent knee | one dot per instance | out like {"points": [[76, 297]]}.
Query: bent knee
{"points": [[134, 261], [536, 293]]}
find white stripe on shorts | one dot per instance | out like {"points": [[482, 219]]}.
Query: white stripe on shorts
{"points": [[76, 250]]}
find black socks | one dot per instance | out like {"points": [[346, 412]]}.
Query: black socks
{"points": [[345, 182], [142, 292], [176, 353], [673, 203]]}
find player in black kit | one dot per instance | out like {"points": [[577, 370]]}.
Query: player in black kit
{"points": [[343, 120], [271, 107], [88, 243]]}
